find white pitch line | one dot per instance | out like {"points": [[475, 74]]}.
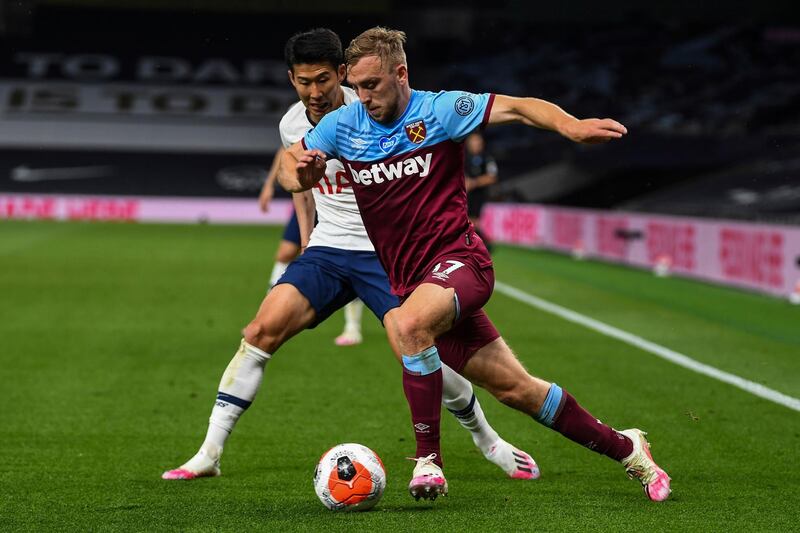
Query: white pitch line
{"points": [[656, 349]]}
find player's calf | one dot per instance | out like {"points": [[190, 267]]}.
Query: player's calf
{"points": [[458, 397]]}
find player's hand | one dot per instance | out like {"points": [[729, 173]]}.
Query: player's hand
{"points": [[594, 130], [311, 166], [265, 197]]}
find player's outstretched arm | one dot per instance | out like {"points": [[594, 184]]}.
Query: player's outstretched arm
{"points": [[300, 169], [546, 115]]}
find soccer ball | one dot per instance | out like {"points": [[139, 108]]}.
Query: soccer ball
{"points": [[349, 477]]}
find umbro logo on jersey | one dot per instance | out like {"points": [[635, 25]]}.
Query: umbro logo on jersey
{"points": [[380, 172], [358, 143], [421, 428], [416, 131]]}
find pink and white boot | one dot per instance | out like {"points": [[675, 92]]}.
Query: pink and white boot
{"points": [[640, 465], [428, 480], [514, 462], [201, 465]]}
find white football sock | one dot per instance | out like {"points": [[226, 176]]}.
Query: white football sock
{"points": [[238, 388], [352, 316], [459, 398], [277, 271]]}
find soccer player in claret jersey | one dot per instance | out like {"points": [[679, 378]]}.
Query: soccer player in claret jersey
{"points": [[402, 152], [338, 265]]}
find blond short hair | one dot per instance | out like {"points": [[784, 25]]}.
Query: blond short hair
{"points": [[382, 42]]}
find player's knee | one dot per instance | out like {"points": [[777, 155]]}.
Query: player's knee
{"points": [[253, 334], [259, 334], [412, 333], [287, 252], [284, 256]]}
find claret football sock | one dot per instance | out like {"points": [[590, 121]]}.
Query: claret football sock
{"points": [[422, 384], [562, 413], [459, 398]]}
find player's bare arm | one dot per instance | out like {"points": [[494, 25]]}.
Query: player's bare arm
{"points": [[300, 169], [484, 180], [546, 115], [305, 207], [268, 189]]}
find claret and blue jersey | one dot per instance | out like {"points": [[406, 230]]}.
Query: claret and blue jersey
{"points": [[408, 178]]}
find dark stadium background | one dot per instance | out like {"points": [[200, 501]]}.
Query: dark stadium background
{"points": [[113, 335], [709, 91]]}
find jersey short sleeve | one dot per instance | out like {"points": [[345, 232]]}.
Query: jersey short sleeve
{"points": [[323, 136], [460, 113]]}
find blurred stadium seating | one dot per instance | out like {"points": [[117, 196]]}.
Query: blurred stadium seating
{"points": [[711, 96]]}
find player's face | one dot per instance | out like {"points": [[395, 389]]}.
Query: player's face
{"points": [[380, 89], [319, 87]]}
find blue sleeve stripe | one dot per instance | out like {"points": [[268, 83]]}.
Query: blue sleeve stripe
{"points": [[423, 363], [344, 126], [244, 404], [549, 409]]}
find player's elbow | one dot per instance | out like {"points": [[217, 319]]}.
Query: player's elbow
{"points": [[294, 186], [290, 183]]}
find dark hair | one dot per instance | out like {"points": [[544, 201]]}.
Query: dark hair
{"points": [[316, 46]]}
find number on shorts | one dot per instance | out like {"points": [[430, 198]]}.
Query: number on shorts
{"points": [[454, 265]]}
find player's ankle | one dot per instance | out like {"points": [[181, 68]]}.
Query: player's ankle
{"points": [[486, 440], [211, 450]]}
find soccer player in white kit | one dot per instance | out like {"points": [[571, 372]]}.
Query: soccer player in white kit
{"points": [[339, 264], [288, 250]]}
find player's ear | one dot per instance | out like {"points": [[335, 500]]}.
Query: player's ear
{"points": [[402, 73], [341, 72], [291, 77]]}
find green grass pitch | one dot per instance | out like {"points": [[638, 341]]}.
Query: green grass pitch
{"points": [[113, 339]]}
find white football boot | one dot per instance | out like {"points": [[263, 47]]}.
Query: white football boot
{"points": [[349, 338], [201, 465], [640, 465], [428, 480], [514, 462]]}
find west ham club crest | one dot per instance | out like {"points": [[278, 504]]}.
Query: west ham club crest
{"points": [[415, 131]]}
